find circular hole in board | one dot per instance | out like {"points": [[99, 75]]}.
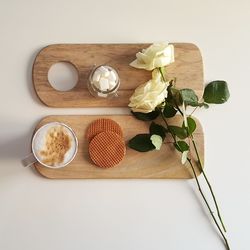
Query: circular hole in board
{"points": [[63, 76]]}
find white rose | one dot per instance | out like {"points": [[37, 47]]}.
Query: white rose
{"points": [[155, 56], [149, 95]]}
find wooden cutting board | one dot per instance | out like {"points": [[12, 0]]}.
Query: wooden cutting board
{"points": [[161, 164], [188, 69]]}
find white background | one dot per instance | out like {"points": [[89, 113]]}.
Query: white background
{"points": [[37, 213]]}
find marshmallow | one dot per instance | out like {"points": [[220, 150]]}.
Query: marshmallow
{"points": [[104, 78], [104, 84], [112, 76], [96, 76], [104, 71], [112, 84], [97, 84]]}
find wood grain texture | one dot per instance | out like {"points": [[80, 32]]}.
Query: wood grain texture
{"points": [[188, 69], [161, 164]]}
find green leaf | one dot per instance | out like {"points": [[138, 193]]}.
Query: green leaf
{"points": [[189, 97], [181, 146], [216, 92], [156, 141], [178, 131], [141, 143], [156, 129], [169, 110], [174, 96], [146, 116], [191, 125]]}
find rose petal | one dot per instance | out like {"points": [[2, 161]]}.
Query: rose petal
{"points": [[184, 157], [156, 55], [156, 141]]}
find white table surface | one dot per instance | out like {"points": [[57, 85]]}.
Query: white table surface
{"points": [[37, 213]]}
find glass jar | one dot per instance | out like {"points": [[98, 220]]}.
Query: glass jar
{"points": [[104, 82]]}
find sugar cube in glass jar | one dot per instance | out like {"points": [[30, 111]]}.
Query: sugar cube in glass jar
{"points": [[104, 82]]}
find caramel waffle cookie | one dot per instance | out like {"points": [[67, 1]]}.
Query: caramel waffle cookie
{"points": [[107, 149], [103, 125]]}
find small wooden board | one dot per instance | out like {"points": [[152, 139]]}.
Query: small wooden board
{"points": [[161, 164], [188, 69]]}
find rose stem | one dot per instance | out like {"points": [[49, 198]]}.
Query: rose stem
{"points": [[199, 187], [204, 198], [200, 166], [208, 183]]}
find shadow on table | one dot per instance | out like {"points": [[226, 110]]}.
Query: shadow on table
{"points": [[13, 150]]}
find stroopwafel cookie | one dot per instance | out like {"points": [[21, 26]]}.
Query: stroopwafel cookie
{"points": [[102, 125], [107, 149]]}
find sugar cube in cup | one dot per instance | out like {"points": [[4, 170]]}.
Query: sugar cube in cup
{"points": [[104, 81]]}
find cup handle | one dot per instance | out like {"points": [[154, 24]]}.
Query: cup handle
{"points": [[29, 160]]}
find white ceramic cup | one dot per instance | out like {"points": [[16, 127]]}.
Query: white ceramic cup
{"points": [[33, 157]]}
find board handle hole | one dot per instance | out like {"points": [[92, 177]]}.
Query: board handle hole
{"points": [[63, 76]]}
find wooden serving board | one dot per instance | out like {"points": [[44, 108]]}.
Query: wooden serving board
{"points": [[161, 164], [187, 68]]}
